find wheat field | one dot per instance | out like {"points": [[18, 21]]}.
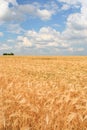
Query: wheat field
{"points": [[43, 93]]}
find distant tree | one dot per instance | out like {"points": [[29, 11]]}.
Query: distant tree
{"points": [[8, 53], [11, 53], [4, 53]]}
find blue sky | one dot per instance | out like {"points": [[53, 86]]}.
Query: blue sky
{"points": [[49, 27]]}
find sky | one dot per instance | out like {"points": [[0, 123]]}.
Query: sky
{"points": [[43, 27]]}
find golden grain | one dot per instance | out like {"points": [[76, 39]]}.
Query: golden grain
{"points": [[43, 93]]}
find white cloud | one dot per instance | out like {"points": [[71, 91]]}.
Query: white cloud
{"points": [[15, 28], [5, 47], [20, 12], [74, 3], [71, 49], [65, 7], [44, 14], [36, 11], [80, 49], [50, 39], [71, 2], [1, 34], [76, 25], [24, 41], [67, 4], [4, 9], [27, 42], [78, 21], [6, 13], [70, 39], [45, 37], [10, 41], [14, 2]]}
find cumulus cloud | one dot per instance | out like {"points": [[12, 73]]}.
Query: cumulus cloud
{"points": [[75, 33], [20, 12], [24, 41], [8, 13], [36, 11], [44, 14], [78, 21], [4, 9], [45, 37], [71, 39], [48, 39]]}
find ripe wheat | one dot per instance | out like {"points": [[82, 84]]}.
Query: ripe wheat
{"points": [[43, 93]]}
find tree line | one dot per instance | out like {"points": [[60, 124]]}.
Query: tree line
{"points": [[8, 53]]}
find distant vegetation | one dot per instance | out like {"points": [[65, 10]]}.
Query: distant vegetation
{"points": [[8, 53]]}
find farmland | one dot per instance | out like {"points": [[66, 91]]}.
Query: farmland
{"points": [[43, 93]]}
